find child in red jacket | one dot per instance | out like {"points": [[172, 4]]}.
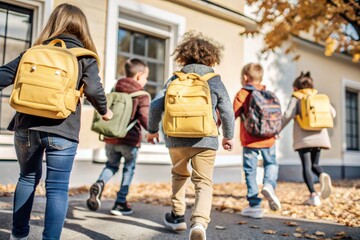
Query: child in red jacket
{"points": [[252, 74]]}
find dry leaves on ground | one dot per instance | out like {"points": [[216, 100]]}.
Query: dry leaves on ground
{"points": [[343, 206]]}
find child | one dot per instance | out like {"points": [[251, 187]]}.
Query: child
{"points": [[136, 77], [251, 75], [196, 54], [58, 138], [309, 143]]}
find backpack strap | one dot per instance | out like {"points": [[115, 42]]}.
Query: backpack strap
{"points": [[250, 87], [79, 52], [183, 76], [298, 95], [55, 41], [139, 93], [136, 94]]}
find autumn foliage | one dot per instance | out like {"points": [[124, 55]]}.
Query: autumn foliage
{"points": [[332, 23]]}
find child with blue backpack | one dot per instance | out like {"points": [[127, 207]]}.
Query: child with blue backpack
{"points": [[253, 144]]}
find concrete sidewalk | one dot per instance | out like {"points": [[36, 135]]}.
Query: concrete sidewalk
{"points": [[146, 223]]}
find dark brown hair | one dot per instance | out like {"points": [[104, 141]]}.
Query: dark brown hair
{"points": [[196, 48], [303, 81], [67, 19], [134, 66], [253, 71]]}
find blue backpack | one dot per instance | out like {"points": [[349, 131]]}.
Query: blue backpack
{"points": [[263, 118]]}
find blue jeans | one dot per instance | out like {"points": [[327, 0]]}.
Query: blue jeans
{"points": [[271, 170], [60, 153], [114, 154]]}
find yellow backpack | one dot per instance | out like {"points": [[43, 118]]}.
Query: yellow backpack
{"points": [[315, 113], [188, 107], [46, 80]]}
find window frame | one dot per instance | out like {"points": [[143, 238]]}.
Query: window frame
{"points": [[350, 157], [175, 23], [41, 12]]}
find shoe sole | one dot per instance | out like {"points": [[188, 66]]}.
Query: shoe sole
{"points": [[197, 235], [274, 202], [93, 203], [326, 188], [252, 216], [175, 227], [118, 213]]}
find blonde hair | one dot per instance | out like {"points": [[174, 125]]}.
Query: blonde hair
{"points": [[253, 71], [67, 19]]}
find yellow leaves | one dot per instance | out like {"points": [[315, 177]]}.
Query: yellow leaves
{"points": [[330, 46], [312, 20], [356, 58]]}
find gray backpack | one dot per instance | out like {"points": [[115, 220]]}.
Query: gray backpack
{"points": [[121, 104]]}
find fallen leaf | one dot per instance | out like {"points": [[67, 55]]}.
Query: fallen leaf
{"points": [[285, 234], [291, 224], [242, 222], [310, 236], [342, 233], [269, 231], [319, 233], [254, 226], [298, 235], [218, 227], [300, 230]]}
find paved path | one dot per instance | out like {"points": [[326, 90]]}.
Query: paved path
{"points": [[146, 223]]}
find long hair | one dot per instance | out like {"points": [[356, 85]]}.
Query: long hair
{"points": [[304, 81], [67, 19]]}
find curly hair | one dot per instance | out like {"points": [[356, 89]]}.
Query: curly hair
{"points": [[196, 48]]}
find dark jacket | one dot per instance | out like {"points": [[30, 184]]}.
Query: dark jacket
{"points": [[140, 112], [69, 127]]}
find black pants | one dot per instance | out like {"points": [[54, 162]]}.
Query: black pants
{"points": [[310, 164]]}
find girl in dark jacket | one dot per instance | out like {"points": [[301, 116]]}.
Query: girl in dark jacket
{"points": [[57, 138]]}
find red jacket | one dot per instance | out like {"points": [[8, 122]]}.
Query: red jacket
{"points": [[140, 112], [241, 105]]}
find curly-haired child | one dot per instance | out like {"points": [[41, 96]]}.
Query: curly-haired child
{"points": [[196, 54]]}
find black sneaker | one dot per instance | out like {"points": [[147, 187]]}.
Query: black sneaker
{"points": [[173, 222], [94, 202], [120, 209]]}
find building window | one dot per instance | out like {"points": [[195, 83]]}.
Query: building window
{"points": [[150, 49], [16, 25], [352, 121]]}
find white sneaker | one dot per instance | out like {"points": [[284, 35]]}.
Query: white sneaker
{"points": [[253, 212], [313, 201], [197, 232], [326, 187], [269, 194], [12, 237]]}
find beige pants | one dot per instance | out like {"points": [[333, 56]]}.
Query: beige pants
{"points": [[202, 163]]}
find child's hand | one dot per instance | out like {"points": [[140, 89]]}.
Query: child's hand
{"points": [[151, 136], [108, 115], [227, 144]]}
